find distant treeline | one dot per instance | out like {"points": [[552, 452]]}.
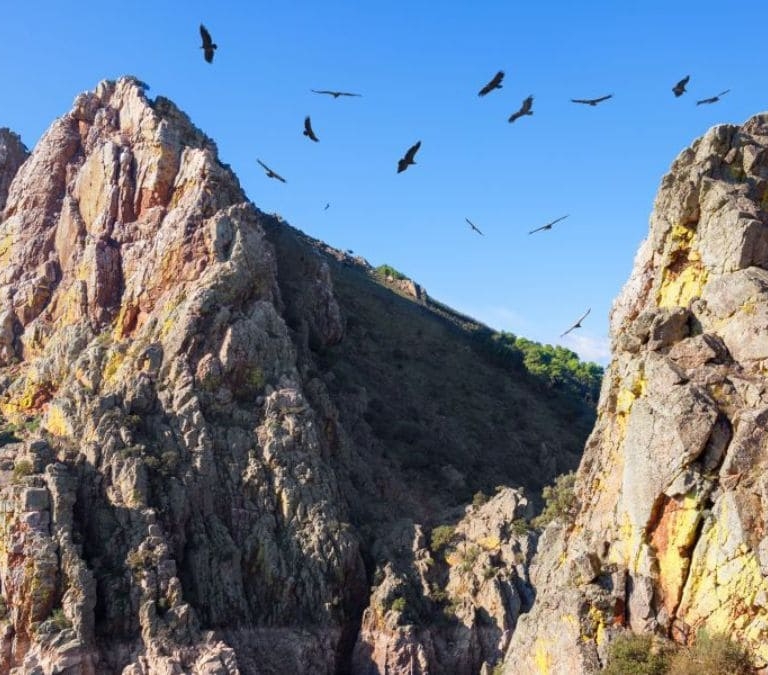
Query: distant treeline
{"points": [[558, 367]]}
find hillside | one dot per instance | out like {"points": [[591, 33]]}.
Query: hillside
{"points": [[229, 448]]}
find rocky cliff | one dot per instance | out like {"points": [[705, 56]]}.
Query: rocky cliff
{"points": [[672, 494], [225, 447]]}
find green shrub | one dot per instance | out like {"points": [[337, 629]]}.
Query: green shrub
{"points": [[631, 654], [479, 499], [389, 271], [560, 501], [398, 605], [520, 527], [59, 620], [442, 536], [22, 468], [711, 655]]}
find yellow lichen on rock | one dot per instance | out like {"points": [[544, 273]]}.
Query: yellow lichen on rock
{"points": [[541, 657], [56, 422], [679, 288], [672, 539]]}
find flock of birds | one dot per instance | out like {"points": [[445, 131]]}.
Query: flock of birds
{"points": [[526, 108]]}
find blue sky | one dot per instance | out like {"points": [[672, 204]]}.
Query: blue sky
{"points": [[419, 66]]}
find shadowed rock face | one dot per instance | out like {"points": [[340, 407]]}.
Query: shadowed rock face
{"points": [[12, 156], [211, 459], [672, 490]]}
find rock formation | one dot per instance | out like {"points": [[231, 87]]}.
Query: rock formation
{"points": [[670, 533], [216, 435]]}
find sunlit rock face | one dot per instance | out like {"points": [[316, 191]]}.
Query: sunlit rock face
{"points": [[672, 488], [217, 435]]}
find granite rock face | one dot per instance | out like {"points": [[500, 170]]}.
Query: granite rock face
{"points": [[215, 432], [671, 489]]}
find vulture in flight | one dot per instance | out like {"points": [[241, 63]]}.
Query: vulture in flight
{"points": [[473, 226], [327, 206], [578, 323], [270, 173], [495, 83], [549, 225], [591, 101], [406, 161], [308, 130], [335, 94], [525, 109], [679, 89], [713, 99], [208, 45]]}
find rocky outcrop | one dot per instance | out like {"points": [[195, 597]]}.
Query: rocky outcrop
{"points": [[451, 609], [671, 487], [13, 153], [213, 429]]}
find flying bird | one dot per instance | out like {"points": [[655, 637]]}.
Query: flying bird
{"points": [[308, 130], [577, 324], [525, 109], [335, 94], [591, 101], [473, 226], [327, 206], [549, 225], [713, 99], [208, 45], [406, 161], [270, 173], [679, 88], [495, 83]]}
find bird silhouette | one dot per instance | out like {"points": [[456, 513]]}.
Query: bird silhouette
{"points": [[713, 99], [525, 109], [335, 94], [327, 206], [270, 173], [679, 89], [577, 324], [473, 226], [406, 161], [549, 225], [592, 101], [208, 45], [308, 130], [495, 83]]}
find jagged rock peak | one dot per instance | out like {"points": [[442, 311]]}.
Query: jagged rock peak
{"points": [[13, 153], [672, 490]]}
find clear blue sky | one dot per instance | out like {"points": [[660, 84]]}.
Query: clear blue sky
{"points": [[419, 65]]}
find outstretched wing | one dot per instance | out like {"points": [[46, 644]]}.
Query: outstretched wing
{"points": [[308, 129], [527, 105], [577, 324], [493, 84], [581, 100], [473, 226], [264, 166], [602, 98], [412, 152], [323, 91], [346, 93], [557, 220], [207, 41], [722, 93]]}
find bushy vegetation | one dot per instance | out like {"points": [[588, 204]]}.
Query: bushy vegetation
{"points": [[21, 469], [441, 537], [556, 367], [709, 655], [636, 655], [559, 501], [389, 271]]}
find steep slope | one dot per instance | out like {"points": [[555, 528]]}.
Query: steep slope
{"points": [[209, 443], [670, 532]]}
